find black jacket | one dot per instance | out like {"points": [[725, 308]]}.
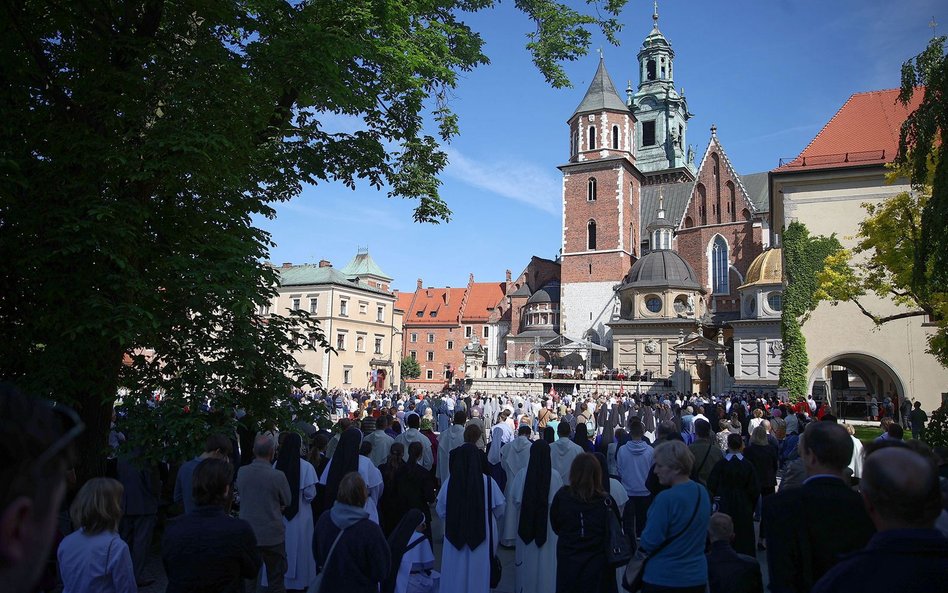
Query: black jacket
{"points": [[730, 572], [808, 528], [361, 558], [207, 550]]}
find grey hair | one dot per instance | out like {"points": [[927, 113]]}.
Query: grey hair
{"points": [[263, 446]]}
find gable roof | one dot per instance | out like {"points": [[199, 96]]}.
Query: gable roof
{"points": [[676, 197], [429, 307], [865, 131], [601, 93], [481, 298], [312, 274], [363, 265]]}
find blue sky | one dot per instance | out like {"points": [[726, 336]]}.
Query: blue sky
{"points": [[768, 73]]}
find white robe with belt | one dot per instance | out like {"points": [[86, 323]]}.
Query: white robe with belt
{"points": [[513, 458], [467, 570], [536, 567]]}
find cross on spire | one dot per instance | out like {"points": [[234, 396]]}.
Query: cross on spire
{"points": [[932, 24], [600, 53], [655, 14]]}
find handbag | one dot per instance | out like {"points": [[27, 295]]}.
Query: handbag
{"points": [[635, 569], [618, 546], [316, 585], [495, 566]]}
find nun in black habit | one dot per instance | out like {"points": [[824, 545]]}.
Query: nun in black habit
{"points": [[463, 504], [532, 493]]}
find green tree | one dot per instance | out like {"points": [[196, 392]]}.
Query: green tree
{"points": [[901, 252], [137, 140], [803, 257], [410, 368]]}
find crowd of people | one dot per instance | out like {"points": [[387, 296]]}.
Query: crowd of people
{"points": [[699, 485]]}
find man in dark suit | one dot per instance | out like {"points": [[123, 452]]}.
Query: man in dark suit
{"points": [[810, 526], [901, 494], [728, 571]]}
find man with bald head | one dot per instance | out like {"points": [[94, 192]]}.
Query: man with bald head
{"points": [[810, 526], [264, 491], [901, 494]]}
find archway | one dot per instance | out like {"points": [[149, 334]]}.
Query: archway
{"points": [[849, 378]]}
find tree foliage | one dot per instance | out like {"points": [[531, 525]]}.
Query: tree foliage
{"points": [[137, 140], [936, 432], [410, 368], [803, 256], [923, 146]]}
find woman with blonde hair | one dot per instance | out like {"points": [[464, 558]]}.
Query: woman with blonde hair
{"points": [[94, 559], [677, 525]]}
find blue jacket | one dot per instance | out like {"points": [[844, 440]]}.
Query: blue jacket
{"points": [[681, 563]]}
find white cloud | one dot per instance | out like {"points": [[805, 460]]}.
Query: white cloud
{"points": [[510, 178]]}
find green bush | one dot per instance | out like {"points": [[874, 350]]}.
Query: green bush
{"points": [[936, 434]]}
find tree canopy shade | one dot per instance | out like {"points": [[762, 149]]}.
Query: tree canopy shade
{"points": [[137, 139]]}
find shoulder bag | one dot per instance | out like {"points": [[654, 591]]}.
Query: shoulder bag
{"points": [[495, 566], [635, 569], [316, 585], [618, 546]]}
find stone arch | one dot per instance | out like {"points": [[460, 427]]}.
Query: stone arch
{"points": [[878, 376]]}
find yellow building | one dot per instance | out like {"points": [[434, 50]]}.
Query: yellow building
{"points": [[356, 312]]}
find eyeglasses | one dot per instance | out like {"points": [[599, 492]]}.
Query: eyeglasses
{"points": [[71, 418]]}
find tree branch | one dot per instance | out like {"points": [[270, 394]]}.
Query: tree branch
{"points": [[880, 320]]}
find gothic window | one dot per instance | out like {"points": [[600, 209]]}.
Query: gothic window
{"points": [[689, 222], [719, 266], [717, 164], [592, 138], [702, 203], [615, 137], [574, 143], [650, 70], [591, 189], [746, 215], [648, 133], [591, 235]]}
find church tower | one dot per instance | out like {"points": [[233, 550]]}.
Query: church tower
{"points": [[600, 210], [662, 153]]}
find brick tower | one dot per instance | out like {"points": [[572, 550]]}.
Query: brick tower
{"points": [[600, 210]]}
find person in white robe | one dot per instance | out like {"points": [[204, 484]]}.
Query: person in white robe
{"points": [[535, 560], [300, 564], [465, 558], [563, 451], [513, 458], [413, 435], [347, 454], [449, 440]]}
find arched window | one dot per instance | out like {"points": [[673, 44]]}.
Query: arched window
{"points": [[591, 235], [746, 215], [650, 70], [574, 143], [702, 203], [689, 222], [719, 266], [592, 138], [615, 137], [591, 189], [716, 164]]}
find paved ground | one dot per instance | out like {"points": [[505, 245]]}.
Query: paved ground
{"points": [[154, 569]]}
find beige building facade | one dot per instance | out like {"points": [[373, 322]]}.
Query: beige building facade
{"points": [[358, 316], [825, 188]]}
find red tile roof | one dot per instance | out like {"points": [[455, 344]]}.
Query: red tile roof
{"points": [[483, 297], [403, 302], [430, 308], [864, 131]]}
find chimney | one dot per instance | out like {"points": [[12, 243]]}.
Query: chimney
{"points": [[287, 264], [419, 284], [324, 263], [508, 275], [427, 292], [447, 294], [470, 278]]}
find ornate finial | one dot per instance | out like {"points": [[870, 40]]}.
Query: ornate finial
{"points": [[600, 53], [933, 24], [655, 14], [714, 131], [661, 202]]}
